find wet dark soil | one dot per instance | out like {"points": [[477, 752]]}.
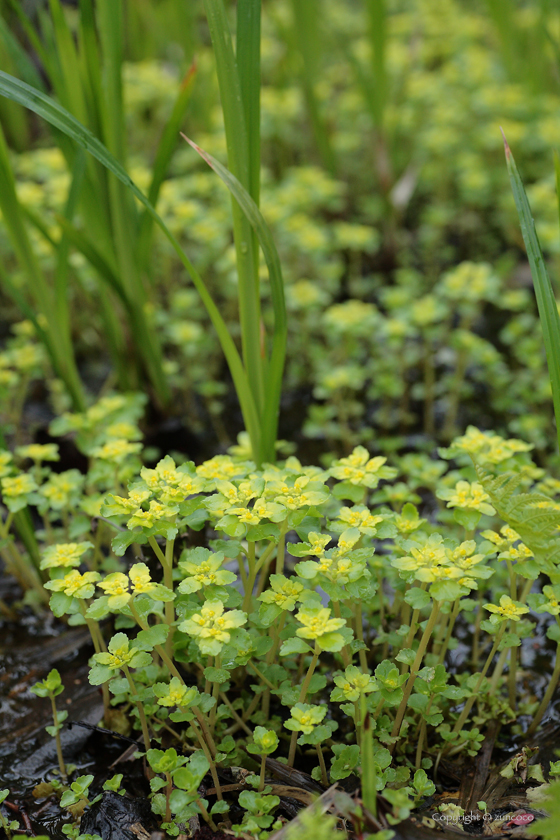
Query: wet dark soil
{"points": [[30, 648]]}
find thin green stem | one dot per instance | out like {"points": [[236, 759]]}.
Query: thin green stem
{"points": [[251, 577], [168, 789], [547, 695], [476, 638], [369, 781], [281, 553], [261, 676], [324, 774], [61, 765], [450, 626], [210, 758], [470, 702], [157, 551], [140, 707], [261, 777], [271, 655], [169, 606], [238, 719], [302, 696], [512, 677], [498, 670], [205, 815], [414, 670], [346, 655], [360, 636]]}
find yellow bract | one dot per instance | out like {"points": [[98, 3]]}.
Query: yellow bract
{"points": [[508, 609], [19, 485]]}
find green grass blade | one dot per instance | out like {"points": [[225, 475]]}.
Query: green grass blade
{"points": [[61, 274], [163, 156], [306, 20], [30, 33], [546, 301], [86, 247], [25, 68], [275, 367], [56, 115], [557, 177], [248, 54], [377, 24], [36, 220], [54, 338], [123, 211], [238, 162], [68, 84], [113, 334], [31, 314], [26, 530]]}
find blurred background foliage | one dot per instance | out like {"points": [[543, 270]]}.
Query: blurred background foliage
{"points": [[411, 309]]}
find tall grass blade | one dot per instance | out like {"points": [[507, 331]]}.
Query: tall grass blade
{"points": [[377, 25], [165, 150], [546, 301], [55, 336], [306, 19], [63, 249], [275, 365], [14, 59], [25, 68], [248, 55], [238, 163], [56, 115], [86, 247]]}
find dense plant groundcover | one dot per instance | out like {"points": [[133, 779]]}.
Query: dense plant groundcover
{"points": [[368, 623], [317, 624], [407, 305]]}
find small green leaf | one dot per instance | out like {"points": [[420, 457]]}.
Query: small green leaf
{"points": [[407, 655], [417, 598], [216, 675], [295, 645], [148, 639]]}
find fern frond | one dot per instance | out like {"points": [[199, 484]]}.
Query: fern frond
{"points": [[528, 514]]}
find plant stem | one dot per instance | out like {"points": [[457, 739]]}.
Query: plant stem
{"points": [[476, 640], [140, 707], [451, 625], [281, 552], [236, 717], [169, 607], [301, 699], [369, 782], [324, 774], [263, 768], [251, 577], [215, 695], [470, 702], [99, 646], [413, 671], [346, 657], [157, 550], [512, 676], [61, 765], [210, 758], [168, 789], [205, 815], [360, 636], [548, 694], [261, 676], [271, 655], [263, 564], [498, 671]]}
